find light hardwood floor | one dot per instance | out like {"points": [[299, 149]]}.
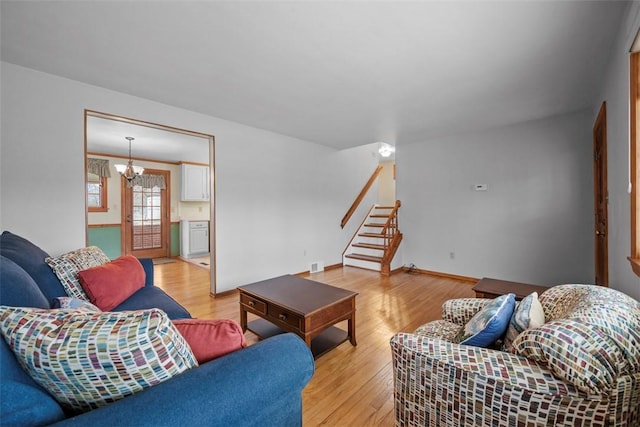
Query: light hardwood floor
{"points": [[352, 386]]}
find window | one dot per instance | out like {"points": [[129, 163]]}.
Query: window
{"points": [[97, 193], [634, 101]]}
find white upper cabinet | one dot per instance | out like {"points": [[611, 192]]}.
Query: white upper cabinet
{"points": [[195, 183]]}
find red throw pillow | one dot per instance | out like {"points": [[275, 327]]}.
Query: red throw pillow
{"points": [[110, 284], [210, 339]]}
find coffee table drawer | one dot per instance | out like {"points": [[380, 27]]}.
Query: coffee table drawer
{"points": [[285, 316], [254, 304]]}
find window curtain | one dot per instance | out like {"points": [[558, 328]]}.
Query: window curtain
{"points": [[99, 167], [149, 181]]}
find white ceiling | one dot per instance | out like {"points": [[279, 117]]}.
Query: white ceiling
{"points": [[107, 136], [341, 74]]}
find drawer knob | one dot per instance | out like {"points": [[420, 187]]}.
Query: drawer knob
{"points": [[251, 303], [282, 316]]}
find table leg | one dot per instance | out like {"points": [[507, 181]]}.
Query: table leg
{"points": [[351, 329], [243, 319]]}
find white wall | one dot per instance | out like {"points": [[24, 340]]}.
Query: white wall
{"points": [[277, 210], [387, 183], [534, 224], [280, 199], [615, 91], [346, 172]]}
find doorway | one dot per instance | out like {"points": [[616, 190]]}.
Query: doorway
{"points": [[154, 215], [601, 197]]}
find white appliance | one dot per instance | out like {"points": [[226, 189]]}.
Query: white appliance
{"points": [[194, 236]]}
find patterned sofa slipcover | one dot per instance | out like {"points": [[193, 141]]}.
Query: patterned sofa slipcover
{"points": [[581, 368]]}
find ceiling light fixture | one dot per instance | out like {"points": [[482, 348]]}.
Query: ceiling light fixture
{"points": [[386, 150], [129, 171]]}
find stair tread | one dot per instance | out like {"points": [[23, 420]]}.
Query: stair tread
{"points": [[378, 235], [374, 224], [384, 207], [364, 257], [378, 216], [369, 246]]}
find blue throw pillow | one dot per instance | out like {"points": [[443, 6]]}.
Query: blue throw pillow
{"points": [[490, 323]]}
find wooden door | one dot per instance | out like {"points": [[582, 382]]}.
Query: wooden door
{"points": [[601, 197], [146, 224]]}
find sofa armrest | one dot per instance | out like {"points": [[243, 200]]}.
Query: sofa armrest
{"points": [[442, 383], [461, 310], [256, 386], [147, 264]]}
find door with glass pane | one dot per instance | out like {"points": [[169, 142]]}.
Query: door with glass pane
{"points": [[145, 219]]}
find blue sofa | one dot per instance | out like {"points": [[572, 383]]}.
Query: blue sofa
{"points": [[31, 258], [252, 386]]}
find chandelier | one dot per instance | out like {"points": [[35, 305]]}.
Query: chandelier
{"points": [[129, 171]]}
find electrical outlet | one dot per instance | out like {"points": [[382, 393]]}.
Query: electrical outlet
{"points": [[452, 255]]}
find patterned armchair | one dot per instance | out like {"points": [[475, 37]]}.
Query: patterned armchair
{"points": [[581, 368]]}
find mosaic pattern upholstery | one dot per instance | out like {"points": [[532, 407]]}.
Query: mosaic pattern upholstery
{"points": [[575, 352], [440, 383], [614, 313], [441, 329], [461, 310], [87, 360], [68, 265]]}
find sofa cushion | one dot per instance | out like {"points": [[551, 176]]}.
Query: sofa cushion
{"points": [[612, 312], [67, 266], [527, 314], [87, 360], [74, 303], [440, 329], [211, 338], [147, 264], [17, 288], [22, 401], [574, 351], [31, 258], [489, 324], [153, 297], [110, 284]]}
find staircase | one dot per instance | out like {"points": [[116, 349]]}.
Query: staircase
{"points": [[375, 243]]}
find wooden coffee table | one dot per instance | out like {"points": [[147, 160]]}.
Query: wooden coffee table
{"points": [[307, 308], [491, 288]]}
